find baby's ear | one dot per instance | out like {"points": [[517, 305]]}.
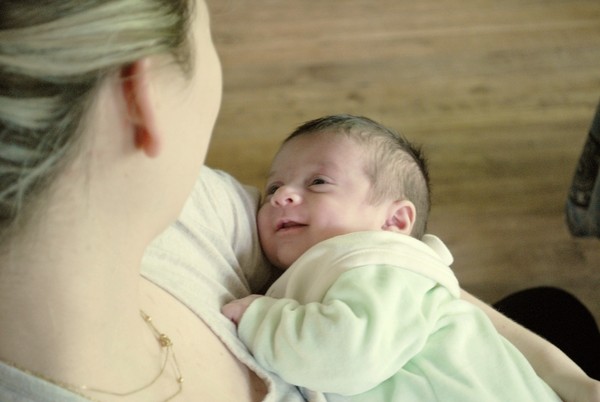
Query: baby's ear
{"points": [[401, 217]]}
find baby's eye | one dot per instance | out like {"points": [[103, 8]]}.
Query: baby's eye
{"points": [[271, 189], [317, 181]]}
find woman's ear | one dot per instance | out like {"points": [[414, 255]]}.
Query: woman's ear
{"points": [[136, 90], [401, 217]]}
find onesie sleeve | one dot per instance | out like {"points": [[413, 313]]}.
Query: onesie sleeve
{"points": [[369, 324]]}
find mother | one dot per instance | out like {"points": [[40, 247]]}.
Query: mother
{"points": [[106, 111]]}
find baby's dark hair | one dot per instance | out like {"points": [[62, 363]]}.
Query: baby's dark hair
{"points": [[396, 167]]}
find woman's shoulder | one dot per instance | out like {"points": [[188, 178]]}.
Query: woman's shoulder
{"points": [[221, 190], [19, 386], [215, 365]]}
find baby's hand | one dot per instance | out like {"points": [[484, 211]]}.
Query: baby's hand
{"points": [[235, 310]]}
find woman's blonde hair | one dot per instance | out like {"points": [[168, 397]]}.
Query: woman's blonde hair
{"points": [[53, 55]]}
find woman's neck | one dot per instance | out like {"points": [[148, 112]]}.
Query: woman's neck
{"points": [[69, 304]]}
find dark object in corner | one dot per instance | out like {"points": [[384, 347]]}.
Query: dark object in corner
{"points": [[583, 202]]}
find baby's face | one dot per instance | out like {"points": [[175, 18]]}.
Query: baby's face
{"points": [[317, 189]]}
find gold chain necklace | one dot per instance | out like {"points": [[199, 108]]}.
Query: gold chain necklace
{"points": [[165, 344]]}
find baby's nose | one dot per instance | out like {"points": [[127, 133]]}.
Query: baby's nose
{"points": [[285, 196]]}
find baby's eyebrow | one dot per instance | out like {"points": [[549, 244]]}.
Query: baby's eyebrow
{"points": [[324, 167], [269, 177]]}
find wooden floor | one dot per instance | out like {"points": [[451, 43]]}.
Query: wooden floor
{"points": [[500, 94]]}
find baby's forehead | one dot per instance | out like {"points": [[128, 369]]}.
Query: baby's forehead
{"points": [[324, 142], [286, 168], [330, 157], [320, 143]]}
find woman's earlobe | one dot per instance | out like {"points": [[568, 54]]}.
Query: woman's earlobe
{"points": [[135, 86], [146, 142]]}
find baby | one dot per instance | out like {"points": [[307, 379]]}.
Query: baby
{"points": [[368, 308]]}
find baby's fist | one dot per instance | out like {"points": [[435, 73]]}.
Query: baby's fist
{"points": [[235, 310]]}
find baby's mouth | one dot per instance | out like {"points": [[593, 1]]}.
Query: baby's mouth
{"points": [[286, 224]]}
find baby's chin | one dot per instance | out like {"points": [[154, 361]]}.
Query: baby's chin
{"points": [[282, 266], [284, 260], [284, 253]]}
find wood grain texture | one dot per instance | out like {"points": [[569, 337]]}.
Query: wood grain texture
{"points": [[500, 94]]}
